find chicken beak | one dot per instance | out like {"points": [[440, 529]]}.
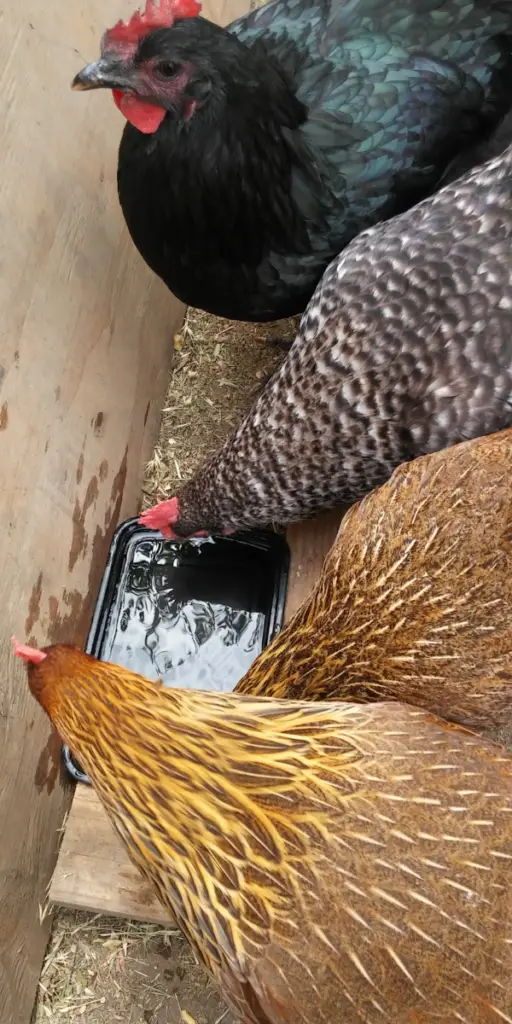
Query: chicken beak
{"points": [[103, 74]]}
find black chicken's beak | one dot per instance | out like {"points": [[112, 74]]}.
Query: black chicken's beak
{"points": [[105, 73]]}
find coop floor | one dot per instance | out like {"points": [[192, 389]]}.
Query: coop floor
{"points": [[102, 970]]}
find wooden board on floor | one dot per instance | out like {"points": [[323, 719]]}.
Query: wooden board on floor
{"points": [[93, 871], [309, 543]]}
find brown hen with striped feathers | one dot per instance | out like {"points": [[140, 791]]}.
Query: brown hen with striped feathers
{"points": [[414, 602], [328, 862]]}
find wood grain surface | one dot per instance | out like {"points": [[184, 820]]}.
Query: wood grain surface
{"points": [[85, 350]]}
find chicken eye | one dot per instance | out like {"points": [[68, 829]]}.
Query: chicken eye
{"points": [[167, 69]]}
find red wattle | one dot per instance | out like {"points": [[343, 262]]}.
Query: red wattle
{"points": [[145, 117]]}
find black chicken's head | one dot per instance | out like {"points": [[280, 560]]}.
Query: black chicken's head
{"points": [[172, 70]]}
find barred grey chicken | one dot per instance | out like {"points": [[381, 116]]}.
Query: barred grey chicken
{"points": [[404, 349]]}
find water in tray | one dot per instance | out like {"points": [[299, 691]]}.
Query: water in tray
{"points": [[192, 614]]}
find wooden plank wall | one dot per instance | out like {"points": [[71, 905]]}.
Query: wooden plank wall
{"points": [[85, 348]]}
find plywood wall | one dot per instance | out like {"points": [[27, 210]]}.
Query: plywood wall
{"points": [[85, 347]]}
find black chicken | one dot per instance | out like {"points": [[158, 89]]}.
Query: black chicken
{"points": [[254, 154]]}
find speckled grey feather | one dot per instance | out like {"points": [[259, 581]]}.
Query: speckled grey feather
{"points": [[405, 348]]}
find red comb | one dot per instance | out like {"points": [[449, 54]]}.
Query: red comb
{"points": [[30, 654], [161, 15], [162, 517]]}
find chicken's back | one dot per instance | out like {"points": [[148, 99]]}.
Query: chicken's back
{"points": [[402, 911], [392, 92]]}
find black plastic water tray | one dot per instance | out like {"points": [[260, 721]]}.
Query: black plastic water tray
{"points": [[194, 613]]}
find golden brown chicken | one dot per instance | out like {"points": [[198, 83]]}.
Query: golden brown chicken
{"points": [[331, 863], [415, 598]]}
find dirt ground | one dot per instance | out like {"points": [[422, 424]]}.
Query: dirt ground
{"points": [[102, 970]]}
